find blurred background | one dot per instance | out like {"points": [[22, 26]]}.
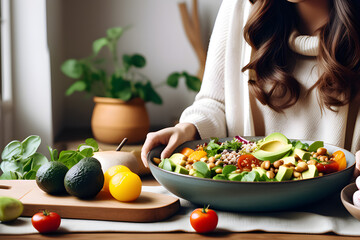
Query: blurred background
{"points": [[37, 36]]}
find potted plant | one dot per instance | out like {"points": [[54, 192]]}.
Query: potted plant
{"points": [[119, 96]]}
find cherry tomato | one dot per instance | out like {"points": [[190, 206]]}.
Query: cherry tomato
{"points": [[204, 220], [339, 157], [247, 162], [46, 221], [327, 167]]}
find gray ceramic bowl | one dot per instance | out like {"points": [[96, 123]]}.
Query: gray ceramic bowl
{"points": [[347, 200], [251, 196]]}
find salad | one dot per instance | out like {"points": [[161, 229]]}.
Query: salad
{"points": [[273, 158]]}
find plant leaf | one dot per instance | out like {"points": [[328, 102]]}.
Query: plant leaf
{"points": [[31, 175], [193, 83], [202, 168], [151, 94], [138, 60], [54, 155], [99, 44], [315, 145], [115, 33], [72, 68], [76, 86], [121, 88], [30, 145], [7, 166], [87, 152], [92, 142], [27, 165], [173, 79], [228, 169], [38, 161], [70, 158], [11, 150]]}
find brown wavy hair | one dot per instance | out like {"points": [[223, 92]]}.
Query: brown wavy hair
{"points": [[267, 31]]}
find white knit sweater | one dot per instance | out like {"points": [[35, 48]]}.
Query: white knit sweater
{"points": [[224, 108]]}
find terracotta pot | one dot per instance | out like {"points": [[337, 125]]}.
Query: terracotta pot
{"points": [[114, 119]]}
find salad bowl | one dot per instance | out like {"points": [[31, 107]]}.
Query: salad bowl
{"points": [[251, 196]]}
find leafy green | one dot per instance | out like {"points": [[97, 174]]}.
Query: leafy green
{"points": [[213, 147], [21, 161], [315, 145], [202, 168]]}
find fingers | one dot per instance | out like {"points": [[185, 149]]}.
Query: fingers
{"points": [[150, 143], [169, 149]]}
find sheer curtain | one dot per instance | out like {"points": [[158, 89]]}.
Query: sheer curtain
{"points": [[26, 82]]}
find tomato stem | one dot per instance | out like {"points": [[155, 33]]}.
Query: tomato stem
{"points": [[204, 210], [46, 212]]}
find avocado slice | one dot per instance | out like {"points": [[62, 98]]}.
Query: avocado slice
{"points": [[178, 158], [311, 172], [181, 170], [272, 150], [284, 174], [290, 159], [260, 170], [304, 155], [278, 137]]}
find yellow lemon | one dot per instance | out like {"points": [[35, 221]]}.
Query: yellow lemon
{"points": [[111, 172], [125, 186]]}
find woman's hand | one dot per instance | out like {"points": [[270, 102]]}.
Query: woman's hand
{"points": [[357, 164], [171, 137]]}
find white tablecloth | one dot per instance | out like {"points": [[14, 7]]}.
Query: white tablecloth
{"points": [[323, 217]]}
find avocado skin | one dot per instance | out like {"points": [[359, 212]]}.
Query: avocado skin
{"points": [[85, 179], [50, 177]]}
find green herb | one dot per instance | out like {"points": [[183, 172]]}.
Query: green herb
{"points": [[21, 161], [213, 148]]}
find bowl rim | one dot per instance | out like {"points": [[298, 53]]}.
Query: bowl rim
{"points": [[348, 168]]}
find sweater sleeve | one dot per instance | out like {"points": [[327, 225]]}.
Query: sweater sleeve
{"points": [[207, 112]]}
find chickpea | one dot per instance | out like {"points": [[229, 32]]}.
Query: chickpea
{"points": [[321, 174], [270, 174], [297, 158], [211, 165], [315, 155], [312, 162], [190, 161], [265, 165], [321, 151], [324, 158], [212, 159], [302, 166], [219, 170], [218, 162], [188, 166], [203, 159], [278, 163], [296, 174]]}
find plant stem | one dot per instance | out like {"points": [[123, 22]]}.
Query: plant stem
{"points": [[113, 50]]}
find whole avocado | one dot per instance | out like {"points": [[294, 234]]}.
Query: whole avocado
{"points": [[85, 179], [50, 177]]}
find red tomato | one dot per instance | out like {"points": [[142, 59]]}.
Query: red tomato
{"points": [[46, 221], [327, 167], [247, 162], [203, 220]]}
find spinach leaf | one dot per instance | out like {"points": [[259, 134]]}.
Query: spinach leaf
{"points": [[315, 145], [202, 168]]}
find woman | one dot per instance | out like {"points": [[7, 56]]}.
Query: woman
{"points": [[302, 78]]}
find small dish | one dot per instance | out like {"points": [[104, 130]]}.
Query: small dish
{"points": [[347, 200]]}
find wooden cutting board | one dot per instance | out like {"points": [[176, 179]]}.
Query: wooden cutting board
{"points": [[149, 207]]}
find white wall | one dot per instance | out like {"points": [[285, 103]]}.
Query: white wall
{"points": [[156, 32], [30, 72]]}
